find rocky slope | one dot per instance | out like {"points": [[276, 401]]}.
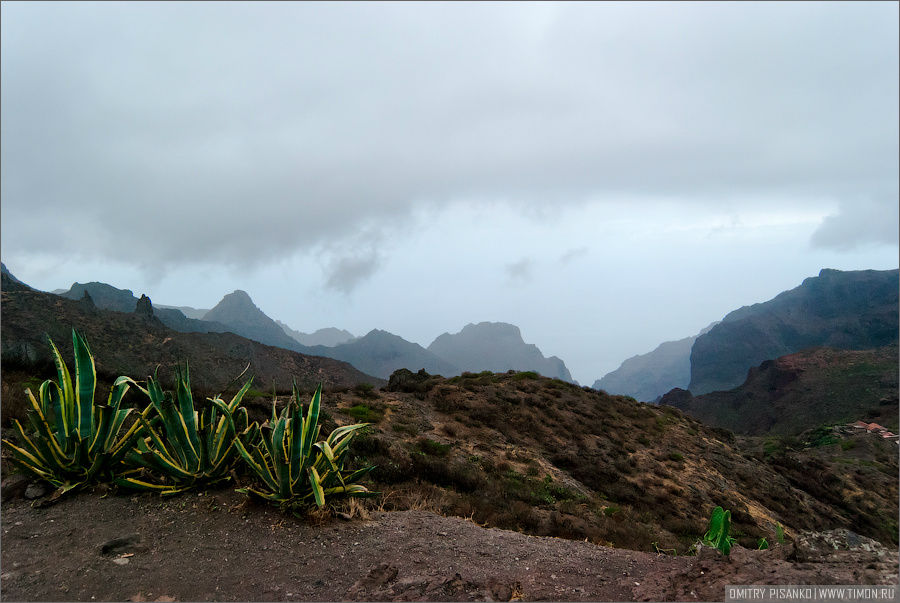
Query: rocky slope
{"points": [[497, 347], [552, 459], [135, 344], [847, 310], [803, 391], [8, 282]]}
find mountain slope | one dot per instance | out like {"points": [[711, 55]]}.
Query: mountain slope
{"points": [[10, 283], [128, 343], [241, 316], [803, 391], [496, 347], [381, 353], [847, 310]]}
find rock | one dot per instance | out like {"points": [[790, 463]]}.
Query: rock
{"points": [[36, 490], [121, 560], [116, 545], [144, 307], [87, 302], [13, 486], [404, 380]]}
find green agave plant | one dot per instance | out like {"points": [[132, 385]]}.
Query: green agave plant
{"points": [[183, 449], [72, 440], [294, 469], [719, 533]]}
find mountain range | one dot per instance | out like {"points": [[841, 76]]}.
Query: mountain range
{"points": [[851, 310], [485, 346]]}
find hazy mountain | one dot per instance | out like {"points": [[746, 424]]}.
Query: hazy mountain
{"points": [[128, 343], [802, 391], [646, 377], [240, 315], [497, 347], [381, 353], [10, 283], [329, 336], [195, 313], [107, 297], [847, 310]]}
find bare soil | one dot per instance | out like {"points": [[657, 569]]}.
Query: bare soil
{"points": [[215, 546]]}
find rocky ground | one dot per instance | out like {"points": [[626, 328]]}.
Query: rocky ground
{"points": [[214, 546]]}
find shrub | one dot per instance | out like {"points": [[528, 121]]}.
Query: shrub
{"points": [[365, 390], [431, 447], [365, 413], [295, 471], [181, 449], [72, 440]]}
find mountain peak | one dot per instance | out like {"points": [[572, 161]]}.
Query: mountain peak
{"points": [[497, 347]]}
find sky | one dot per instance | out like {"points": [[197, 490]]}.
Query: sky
{"points": [[606, 176]]}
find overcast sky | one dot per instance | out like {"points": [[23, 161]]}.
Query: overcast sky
{"points": [[606, 176]]}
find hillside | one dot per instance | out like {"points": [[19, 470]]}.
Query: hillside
{"points": [[241, 316], [803, 391], [128, 343], [846, 310], [497, 347], [548, 458], [8, 282], [380, 353]]}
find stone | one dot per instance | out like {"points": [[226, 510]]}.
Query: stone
{"points": [[36, 490], [144, 307]]}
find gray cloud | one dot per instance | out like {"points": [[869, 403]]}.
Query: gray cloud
{"points": [[858, 223], [520, 271], [346, 273], [164, 133]]}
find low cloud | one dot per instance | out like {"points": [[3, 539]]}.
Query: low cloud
{"points": [[520, 271], [346, 273], [860, 223], [573, 254]]}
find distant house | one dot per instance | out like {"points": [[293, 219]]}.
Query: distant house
{"points": [[859, 425]]}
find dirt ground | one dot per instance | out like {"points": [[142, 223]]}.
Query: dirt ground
{"points": [[215, 547]]}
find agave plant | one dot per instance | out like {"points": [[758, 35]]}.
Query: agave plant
{"points": [[719, 533], [71, 440], [295, 470], [182, 450]]}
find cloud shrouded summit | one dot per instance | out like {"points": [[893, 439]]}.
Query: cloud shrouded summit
{"points": [[243, 132]]}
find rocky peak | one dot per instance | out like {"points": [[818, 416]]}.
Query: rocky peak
{"points": [[143, 308]]}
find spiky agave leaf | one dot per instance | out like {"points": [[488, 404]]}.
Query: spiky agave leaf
{"points": [[294, 469], [183, 448], [73, 440]]}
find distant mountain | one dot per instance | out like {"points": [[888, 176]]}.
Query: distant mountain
{"points": [[329, 336], [381, 353], [241, 316], [496, 347], [10, 283], [646, 377], [793, 393], [128, 343], [195, 313], [107, 297], [846, 310]]}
